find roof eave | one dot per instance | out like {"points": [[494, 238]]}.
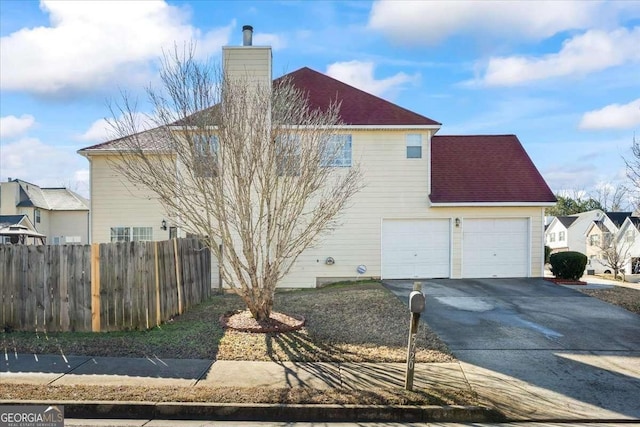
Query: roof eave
{"points": [[491, 204]]}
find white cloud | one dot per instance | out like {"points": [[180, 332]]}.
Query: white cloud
{"points": [[89, 44], [276, 41], [428, 22], [361, 75], [62, 166], [614, 116], [592, 51], [99, 131], [102, 129], [12, 126]]}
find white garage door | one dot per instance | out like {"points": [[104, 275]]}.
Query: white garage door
{"points": [[415, 248], [495, 247]]}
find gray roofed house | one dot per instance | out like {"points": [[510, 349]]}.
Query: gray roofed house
{"points": [[58, 213]]}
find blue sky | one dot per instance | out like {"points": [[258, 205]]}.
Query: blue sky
{"points": [[563, 76]]}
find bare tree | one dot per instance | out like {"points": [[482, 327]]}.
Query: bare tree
{"points": [[633, 171], [612, 197], [615, 252], [633, 164], [250, 167]]}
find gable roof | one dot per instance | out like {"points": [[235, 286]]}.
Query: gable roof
{"points": [[357, 107], [58, 198], [618, 217], [7, 220], [484, 169], [567, 220]]}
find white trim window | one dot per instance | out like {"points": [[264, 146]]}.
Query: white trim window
{"points": [[338, 151], [629, 236], [288, 155], [129, 234], [552, 237], [205, 155], [561, 236], [36, 216], [414, 146]]}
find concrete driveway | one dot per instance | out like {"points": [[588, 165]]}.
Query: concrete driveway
{"points": [[536, 350]]}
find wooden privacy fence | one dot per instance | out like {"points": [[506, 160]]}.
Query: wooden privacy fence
{"points": [[101, 287]]}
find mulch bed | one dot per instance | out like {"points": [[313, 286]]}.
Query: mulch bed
{"points": [[564, 281], [242, 321]]}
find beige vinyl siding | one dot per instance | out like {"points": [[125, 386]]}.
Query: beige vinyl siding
{"points": [[396, 188], [116, 202], [253, 62], [69, 223]]}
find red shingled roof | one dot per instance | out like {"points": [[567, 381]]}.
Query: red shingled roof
{"points": [[484, 169], [358, 107]]}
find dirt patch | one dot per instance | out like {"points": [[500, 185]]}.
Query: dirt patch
{"points": [[243, 321], [626, 298], [292, 395]]}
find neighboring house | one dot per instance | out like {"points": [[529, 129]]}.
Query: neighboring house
{"points": [[432, 206], [568, 233], [19, 229], [556, 233], [58, 213], [599, 235], [629, 240]]}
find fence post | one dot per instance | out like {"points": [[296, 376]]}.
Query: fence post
{"points": [[178, 275], [95, 287], [158, 314]]}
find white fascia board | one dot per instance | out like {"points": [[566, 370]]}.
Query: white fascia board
{"points": [[178, 127], [339, 127], [491, 204], [374, 127], [88, 153]]}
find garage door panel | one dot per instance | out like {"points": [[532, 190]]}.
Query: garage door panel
{"points": [[495, 247], [415, 248]]}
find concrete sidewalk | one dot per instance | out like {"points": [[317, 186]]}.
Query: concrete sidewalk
{"points": [[516, 399], [97, 371]]}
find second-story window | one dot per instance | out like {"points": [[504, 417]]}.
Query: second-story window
{"points": [[205, 155], [561, 236], [414, 146], [288, 155], [552, 237], [36, 215], [338, 151]]}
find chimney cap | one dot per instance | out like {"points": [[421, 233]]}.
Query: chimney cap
{"points": [[247, 35]]}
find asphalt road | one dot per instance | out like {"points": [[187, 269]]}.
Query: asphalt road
{"points": [[534, 346], [178, 423]]}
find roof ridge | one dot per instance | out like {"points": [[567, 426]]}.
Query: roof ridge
{"points": [[355, 88]]}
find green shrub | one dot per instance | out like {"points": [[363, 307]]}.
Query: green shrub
{"points": [[547, 254], [568, 265]]}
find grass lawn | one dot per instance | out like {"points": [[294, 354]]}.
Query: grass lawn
{"points": [[360, 322]]}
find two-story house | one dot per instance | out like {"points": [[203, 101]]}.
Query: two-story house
{"points": [[629, 240], [599, 235], [568, 233], [432, 205], [59, 214]]}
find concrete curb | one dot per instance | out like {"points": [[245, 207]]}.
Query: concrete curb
{"points": [[271, 412]]}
